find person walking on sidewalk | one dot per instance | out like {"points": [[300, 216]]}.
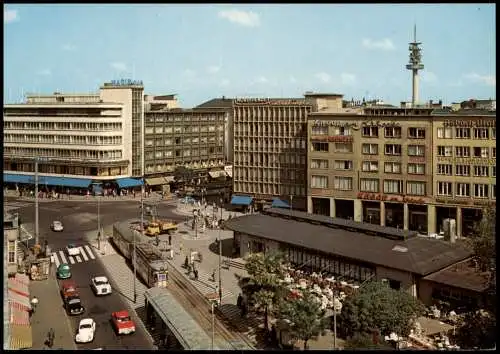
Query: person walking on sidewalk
{"points": [[51, 336], [34, 303]]}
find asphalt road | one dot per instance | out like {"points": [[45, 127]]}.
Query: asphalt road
{"points": [[79, 220]]}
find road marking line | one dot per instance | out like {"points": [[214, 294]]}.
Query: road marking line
{"points": [[56, 260], [78, 259], [84, 255], [71, 260], [63, 258], [89, 251]]}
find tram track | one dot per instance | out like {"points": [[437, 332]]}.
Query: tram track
{"points": [[198, 306]]}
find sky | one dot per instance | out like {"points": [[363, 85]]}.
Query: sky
{"points": [[202, 52]]}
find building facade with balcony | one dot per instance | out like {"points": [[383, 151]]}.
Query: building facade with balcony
{"points": [[87, 136], [402, 167]]}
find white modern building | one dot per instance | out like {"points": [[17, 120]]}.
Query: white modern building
{"points": [[78, 137]]}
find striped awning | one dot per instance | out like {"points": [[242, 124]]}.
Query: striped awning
{"points": [[20, 337], [20, 299], [217, 174], [19, 285], [18, 314]]}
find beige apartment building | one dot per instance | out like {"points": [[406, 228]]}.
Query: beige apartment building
{"points": [[183, 137], [85, 136], [411, 168]]}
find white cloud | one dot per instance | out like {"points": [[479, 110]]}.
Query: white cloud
{"points": [[348, 79], [119, 66], [323, 77], [244, 18], [262, 79], [429, 77], [189, 73], [213, 69], [383, 44], [224, 82], [293, 79], [10, 16], [489, 80], [69, 47], [45, 72]]}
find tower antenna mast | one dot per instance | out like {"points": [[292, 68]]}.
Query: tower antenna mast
{"points": [[415, 64]]}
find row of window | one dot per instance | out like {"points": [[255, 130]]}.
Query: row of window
{"points": [[466, 151], [370, 149], [271, 160], [253, 144], [369, 166], [183, 129], [152, 168], [372, 185], [330, 265], [466, 133], [268, 188], [62, 139], [370, 132], [152, 117], [466, 170], [267, 129], [271, 113], [103, 127], [62, 153], [149, 155], [477, 190], [183, 141]]}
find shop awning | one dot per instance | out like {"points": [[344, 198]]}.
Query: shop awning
{"points": [[241, 200], [18, 286], [155, 181], [278, 203], [23, 301], [169, 179], [128, 182], [217, 174], [47, 180], [20, 337], [18, 314]]}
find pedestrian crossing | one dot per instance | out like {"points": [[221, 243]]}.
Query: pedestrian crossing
{"points": [[61, 256], [12, 206]]}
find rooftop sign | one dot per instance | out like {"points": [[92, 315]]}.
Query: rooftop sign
{"points": [[126, 82]]}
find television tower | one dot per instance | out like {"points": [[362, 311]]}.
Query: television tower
{"points": [[415, 65]]}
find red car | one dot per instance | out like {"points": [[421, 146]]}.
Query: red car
{"points": [[122, 322]]}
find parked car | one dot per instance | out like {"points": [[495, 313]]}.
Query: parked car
{"points": [[73, 250], [56, 226], [100, 285], [86, 331], [63, 271], [122, 322]]}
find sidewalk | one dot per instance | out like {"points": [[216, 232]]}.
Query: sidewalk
{"points": [[50, 313]]}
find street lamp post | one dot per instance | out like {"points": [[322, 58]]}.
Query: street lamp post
{"points": [[337, 307], [291, 202], [213, 324], [135, 243], [220, 257], [37, 237]]}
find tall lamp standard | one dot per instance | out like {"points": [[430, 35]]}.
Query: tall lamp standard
{"points": [[291, 202], [220, 256], [37, 228], [337, 308], [135, 243], [98, 218]]}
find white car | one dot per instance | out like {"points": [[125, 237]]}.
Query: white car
{"points": [[100, 286], [56, 226], [86, 331], [73, 250]]}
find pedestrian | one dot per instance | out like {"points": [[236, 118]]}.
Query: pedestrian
{"points": [[196, 274], [200, 257], [171, 253], [213, 275], [170, 240], [239, 301], [51, 336], [34, 303]]}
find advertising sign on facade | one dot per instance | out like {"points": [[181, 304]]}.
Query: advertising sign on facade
{"points": [[355, 126], [477, 123]]}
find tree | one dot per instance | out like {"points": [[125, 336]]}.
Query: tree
{"points": [[305, 317], [266, 272], [483, 241], [365, 341], [376, 306], [478, 331], [184, 174]]}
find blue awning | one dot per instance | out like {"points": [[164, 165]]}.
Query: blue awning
{"points": [[128, 182], [278, 203], [241, 200], [48, 180]]}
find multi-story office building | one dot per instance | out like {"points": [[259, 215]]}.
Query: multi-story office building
{"points": [[402, 167], [91, 136], [270, 148], [184, 137]]}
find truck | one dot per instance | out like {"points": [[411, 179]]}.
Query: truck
{"points": [[159, 227], [71, 298], [150, 265]]}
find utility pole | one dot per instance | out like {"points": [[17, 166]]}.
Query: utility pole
{"points": [[98, 222], [220, 257], [37, 236], [213, 324]]}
